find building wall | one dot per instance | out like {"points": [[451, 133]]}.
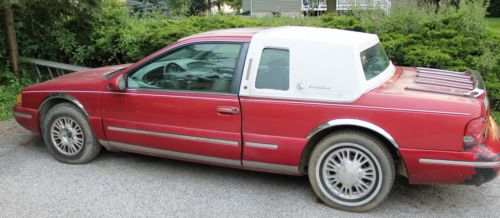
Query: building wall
{"points": [[265, 7]]}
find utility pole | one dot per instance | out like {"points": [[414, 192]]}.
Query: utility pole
{"points": [[11, 37], [331, 6]]}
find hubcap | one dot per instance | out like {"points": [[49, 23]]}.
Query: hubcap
{"points": [[349, 174], [67, 136]]}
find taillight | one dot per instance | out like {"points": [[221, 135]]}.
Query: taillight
{"points": [[475, 132]]}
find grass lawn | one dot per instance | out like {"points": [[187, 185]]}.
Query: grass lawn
{"points": [[494, 24]]}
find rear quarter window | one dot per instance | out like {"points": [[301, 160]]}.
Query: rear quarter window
{"points": [[374, 61], [274, 70]]}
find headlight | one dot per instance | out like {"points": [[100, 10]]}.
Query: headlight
{"points": [[19, 99]]}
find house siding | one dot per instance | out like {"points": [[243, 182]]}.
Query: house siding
{"points": [[261, 7]]}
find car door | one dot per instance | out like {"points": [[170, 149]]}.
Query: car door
{"points": [[182, 104]]}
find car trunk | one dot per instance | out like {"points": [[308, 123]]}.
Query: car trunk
{"points": [[467, 84]]}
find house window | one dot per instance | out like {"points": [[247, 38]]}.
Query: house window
{"points": [[274, 70]]}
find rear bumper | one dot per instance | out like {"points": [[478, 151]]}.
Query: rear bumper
{"points": [[475, 166], [27, 118]]}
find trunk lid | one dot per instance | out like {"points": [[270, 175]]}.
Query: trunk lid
{"points": [[466, 84]]}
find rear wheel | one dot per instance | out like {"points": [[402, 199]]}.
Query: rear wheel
{"points": [[68, 135], [351, 171]]}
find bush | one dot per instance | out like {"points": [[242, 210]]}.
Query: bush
{"points": [[8, 93]]}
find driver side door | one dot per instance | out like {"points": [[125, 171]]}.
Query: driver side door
{"points": [[183, 104]]}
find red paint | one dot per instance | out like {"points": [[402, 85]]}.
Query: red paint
{"points": [[425, 125]]}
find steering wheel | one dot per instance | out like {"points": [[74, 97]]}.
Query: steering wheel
{"points": [[172, 68]]}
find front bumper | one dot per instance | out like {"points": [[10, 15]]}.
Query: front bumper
{"points": [[475, 166], [27, 118]]}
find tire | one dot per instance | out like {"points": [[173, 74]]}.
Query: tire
{"points": [[357, 185], [68, 135]]}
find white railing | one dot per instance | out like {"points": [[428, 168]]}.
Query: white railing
{"points": [[343, 5], [50, 69]]}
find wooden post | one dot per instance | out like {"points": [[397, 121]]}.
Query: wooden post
{"points": [[331, 6], [11, 37]]}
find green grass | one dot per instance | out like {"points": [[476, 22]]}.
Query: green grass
{"points": [[497, 116], [494, 24]]}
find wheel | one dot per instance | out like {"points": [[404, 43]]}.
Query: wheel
{"points": [[351, 171], [68, 135]]}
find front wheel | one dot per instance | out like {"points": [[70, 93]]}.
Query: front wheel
{"points": [[351, 171], [68, 135]]}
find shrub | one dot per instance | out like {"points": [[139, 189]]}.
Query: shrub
{"points": [[8, 93]]}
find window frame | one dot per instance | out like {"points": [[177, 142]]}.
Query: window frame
{"points": [[289, 71], [237, 74]]}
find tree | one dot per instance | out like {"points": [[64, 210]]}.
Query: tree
{"points": [[331, 6], [188, 7], [10, 33], [145, 7], [235, 4], [494, 8]]}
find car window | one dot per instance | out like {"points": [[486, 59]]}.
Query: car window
{"points": [[199, 67], [375, 61], [274, 70]]}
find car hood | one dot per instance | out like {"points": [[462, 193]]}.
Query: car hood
{"points": [[91, 74], [89, 80]]}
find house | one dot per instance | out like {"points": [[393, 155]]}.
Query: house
{"points": [[260, 8]]}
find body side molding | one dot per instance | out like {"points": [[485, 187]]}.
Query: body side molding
{"points": [[111, 145], [177, 136], [353, 122]]}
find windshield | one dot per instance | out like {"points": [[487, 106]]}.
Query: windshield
{"points": [[375, 61]]}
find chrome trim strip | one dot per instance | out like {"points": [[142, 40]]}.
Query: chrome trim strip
{"points": [[287, 101], [170, 135], [461, 163], [272, 167], [438, 70], [305, 102], [61, 96], [444, 78], [261, 145], [444, 84], [22, 115], [141, 94], [168, 153], [353, 122], [444, 74]]}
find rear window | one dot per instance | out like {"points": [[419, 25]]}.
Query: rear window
{"points": [[375, 61]]}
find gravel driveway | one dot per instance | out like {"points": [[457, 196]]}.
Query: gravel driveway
{"points": [[121, 184]]}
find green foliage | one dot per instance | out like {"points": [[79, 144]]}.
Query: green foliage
{"points": [[147, 7], [8, 93]]}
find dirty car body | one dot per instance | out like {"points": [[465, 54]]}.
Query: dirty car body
{"points": [[267, 99]]}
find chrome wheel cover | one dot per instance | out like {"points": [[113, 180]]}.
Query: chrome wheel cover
{"points": [[349, 174], [67, 136]]}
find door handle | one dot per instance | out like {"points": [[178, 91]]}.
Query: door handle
{"points": [[227, 110]]}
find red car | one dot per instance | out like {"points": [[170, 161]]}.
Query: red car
{"points": [[294, 100]]}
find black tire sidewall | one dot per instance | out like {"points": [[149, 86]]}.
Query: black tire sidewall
{"points": [[90, 144], [370, 143]]}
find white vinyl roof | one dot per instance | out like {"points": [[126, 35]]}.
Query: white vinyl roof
{"points": [[324, 63], [318, 35]]}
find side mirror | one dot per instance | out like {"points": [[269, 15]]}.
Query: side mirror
{"points": [[117, 84]]}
